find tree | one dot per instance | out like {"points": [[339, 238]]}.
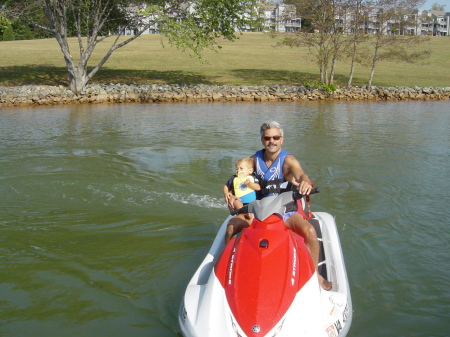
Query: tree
{"points": [[389, 24], [194, 24], [22, 31], [438, 7], [364, 31], [8, 34], [357, 35], [4, 22], [324, 35]]}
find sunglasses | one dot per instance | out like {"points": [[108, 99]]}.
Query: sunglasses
{"points": [[267, 138]]}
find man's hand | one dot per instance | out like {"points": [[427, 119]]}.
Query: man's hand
{"points": [[304, 187], [229, 199]]}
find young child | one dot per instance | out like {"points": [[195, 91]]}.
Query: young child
{"points": [[240, 188]]}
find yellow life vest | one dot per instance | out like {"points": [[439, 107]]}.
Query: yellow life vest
{"points": [[242, 191]]}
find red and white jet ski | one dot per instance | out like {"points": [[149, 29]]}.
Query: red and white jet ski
{"points": [[263, 282]]}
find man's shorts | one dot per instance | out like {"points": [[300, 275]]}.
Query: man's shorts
{"points": [[288, 215]]}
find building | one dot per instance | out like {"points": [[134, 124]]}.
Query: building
{"points": [[277, 17], [440, 22], [395, 22], [282, 18]]}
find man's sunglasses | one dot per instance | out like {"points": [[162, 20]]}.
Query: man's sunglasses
{"points": [[267, 138]]}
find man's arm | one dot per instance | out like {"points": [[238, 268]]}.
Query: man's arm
{"points": [[293, 172]]}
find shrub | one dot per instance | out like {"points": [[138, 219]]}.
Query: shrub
{"points": [[8, 34], [318, 84], [331, 87]]}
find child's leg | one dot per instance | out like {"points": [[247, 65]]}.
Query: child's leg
{"points": [[236, 225]]}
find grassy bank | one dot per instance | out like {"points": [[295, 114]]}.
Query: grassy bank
{"points": [[252, 59]]}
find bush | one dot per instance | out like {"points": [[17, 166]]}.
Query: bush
{"points": [[8, 34], [318, 84], [331, 87]]}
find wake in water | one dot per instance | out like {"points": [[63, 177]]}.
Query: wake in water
{"points": [[206, 201]]}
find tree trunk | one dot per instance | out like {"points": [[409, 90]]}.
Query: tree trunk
{"points": [[333, 67], [322, 71], [77, 74], [350, 76], [372, 71], [352, 65], [77, 80]]}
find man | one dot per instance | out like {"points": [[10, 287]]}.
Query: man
{"points": [[276, 169]]}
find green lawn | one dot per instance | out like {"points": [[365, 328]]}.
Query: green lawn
{"points": [[252, 59]]}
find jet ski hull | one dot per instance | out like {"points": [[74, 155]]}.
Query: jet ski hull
{"points": [[239, 291]]}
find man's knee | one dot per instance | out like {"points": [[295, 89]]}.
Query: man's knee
{"points": [[310, 232], [306, 229]]}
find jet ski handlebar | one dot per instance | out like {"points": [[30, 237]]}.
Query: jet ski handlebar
{"points": [[296, 195], [272, 204]]}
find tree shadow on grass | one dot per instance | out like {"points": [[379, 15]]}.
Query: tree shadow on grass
{"points": [[106, 75], [33, 75], [282, 77], [50, 75]]}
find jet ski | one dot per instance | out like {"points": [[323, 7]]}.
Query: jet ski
{"points": [[263, 281]]}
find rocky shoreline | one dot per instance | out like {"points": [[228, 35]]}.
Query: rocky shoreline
{"points": [[123, 93]]}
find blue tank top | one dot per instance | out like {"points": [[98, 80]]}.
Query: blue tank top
{"points": [[271, 178]]}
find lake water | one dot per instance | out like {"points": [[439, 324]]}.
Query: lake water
{"points": [[106, 210]]}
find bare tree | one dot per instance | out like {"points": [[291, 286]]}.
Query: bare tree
{"points": [[390, 38], [340, 35], [438, 7], [193, 24], [357, 36], [322, 33]]}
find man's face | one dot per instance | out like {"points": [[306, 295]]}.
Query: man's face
{"points": [[272, 140]]}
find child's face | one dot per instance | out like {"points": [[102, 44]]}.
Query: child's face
{"points": [[244, 167]]}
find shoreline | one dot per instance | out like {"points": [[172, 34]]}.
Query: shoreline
{"points": [[29, 95]]}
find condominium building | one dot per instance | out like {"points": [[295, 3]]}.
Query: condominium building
{"points": [[440, 22], [282, 18], [396, 22], [276, 17]]}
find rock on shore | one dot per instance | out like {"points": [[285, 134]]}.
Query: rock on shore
{"points": [[123, 93]]}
